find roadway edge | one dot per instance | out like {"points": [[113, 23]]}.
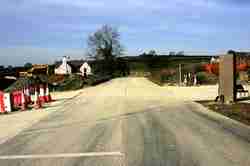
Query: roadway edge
{"points": [[226, 123]]}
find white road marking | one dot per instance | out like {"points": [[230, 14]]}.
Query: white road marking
{"points": [[61, 155]]}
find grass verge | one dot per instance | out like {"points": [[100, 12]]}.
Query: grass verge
{"points": [[236, 111]]}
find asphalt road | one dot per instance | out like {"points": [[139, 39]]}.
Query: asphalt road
{"points": [[126, 122]]}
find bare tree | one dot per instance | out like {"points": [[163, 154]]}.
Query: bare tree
{"points": [[105, 43]]}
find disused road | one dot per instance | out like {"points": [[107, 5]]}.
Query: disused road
{"points": [[126, 122]]}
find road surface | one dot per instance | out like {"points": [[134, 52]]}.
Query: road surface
{"points": [[126, 122]]}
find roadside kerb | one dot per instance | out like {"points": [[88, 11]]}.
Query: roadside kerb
{"points": [[231, 125]]}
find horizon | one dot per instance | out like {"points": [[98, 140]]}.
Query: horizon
{"points": [[42, 31], [84, 59]]}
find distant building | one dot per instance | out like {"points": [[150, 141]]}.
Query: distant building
{"points": [[64, 68], [214, 60], [37, 69], [85, 69]]}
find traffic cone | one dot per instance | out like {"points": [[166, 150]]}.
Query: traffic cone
{"points": [[37, 102], [28, 97], [23, 102], [41, 94], [2, 108], [48, 96]]}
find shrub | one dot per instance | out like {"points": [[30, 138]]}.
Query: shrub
{"points": [[212, 68], [56, 79], [206, 78], [155, 77], [168, 76], [71, 82], [97, 79]]}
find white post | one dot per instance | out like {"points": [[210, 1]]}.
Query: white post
{"points": [[180, 82], [36, 96], [195, 80]]}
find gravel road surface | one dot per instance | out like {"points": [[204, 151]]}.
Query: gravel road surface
{"points": [[126, 122]]}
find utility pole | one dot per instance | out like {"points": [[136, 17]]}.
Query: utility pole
{"points": [[180, 75]]}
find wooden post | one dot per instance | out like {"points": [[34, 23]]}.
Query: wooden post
{"points": [[227, 82]]}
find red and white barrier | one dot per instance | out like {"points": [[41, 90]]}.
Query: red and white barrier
{"points": [[23, 101], [47, 95], [5, 103], [37, 102], [16, 98], [42, 97], [2, 109], [27, 95]]}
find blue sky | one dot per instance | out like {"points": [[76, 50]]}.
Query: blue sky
{"points": [[41, 31]]}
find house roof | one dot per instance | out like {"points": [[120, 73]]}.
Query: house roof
{"points": [[38, 67], [74, 64]]}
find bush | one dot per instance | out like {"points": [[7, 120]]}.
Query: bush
{"points": [[206, 78], [168, 76], [71, 82], [75, 82], [161, 76], [212, 68], [155, 77], [97, 79], [56, 79]]}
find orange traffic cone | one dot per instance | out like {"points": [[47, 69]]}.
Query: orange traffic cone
{"points": [[28, 97], [37, 102], [23, 102], [42, 94], [48, 96]]}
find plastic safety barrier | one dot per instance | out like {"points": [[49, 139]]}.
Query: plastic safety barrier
{"points": [[2, 109], [5, 102], [16, 98]]}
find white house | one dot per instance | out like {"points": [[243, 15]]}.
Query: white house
{"points": [[85, 69], [64, 68], [214, 60]]}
